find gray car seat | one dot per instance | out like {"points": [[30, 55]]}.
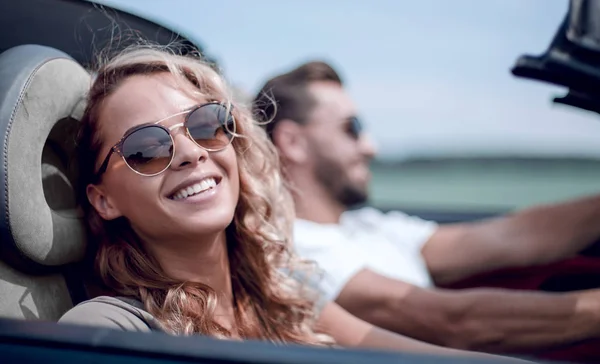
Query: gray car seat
{"points": [[41, 232]]}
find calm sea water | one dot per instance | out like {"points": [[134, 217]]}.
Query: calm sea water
{"points": [[482, 184]]}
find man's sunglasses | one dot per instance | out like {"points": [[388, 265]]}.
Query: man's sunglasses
{"points": [[148, 149], [355, 127]]}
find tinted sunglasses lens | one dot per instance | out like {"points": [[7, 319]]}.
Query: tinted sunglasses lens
{"points": [[210, 126], [148, 150], [356, 126]]}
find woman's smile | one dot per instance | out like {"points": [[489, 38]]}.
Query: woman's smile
{"points": [[199, 191]]}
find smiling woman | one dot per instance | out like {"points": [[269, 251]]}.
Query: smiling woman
{"points": [[185, 206]]}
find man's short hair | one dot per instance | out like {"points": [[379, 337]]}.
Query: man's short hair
{"points": [[286, 96]]}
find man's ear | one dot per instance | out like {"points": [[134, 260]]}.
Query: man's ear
{"points": [[291, 142], [100, 201]]}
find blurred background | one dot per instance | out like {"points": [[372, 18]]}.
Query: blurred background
{"points": [[431, 78]]}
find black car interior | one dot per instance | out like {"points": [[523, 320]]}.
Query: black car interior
{"points": [[572, 58]]}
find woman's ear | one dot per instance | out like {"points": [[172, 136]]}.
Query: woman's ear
{"points": [[102, 203], [290, 140]]}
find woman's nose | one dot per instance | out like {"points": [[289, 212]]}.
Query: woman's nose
{"points": [[187, 152]]}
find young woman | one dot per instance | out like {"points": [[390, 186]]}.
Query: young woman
{"points": [[189, 220]]}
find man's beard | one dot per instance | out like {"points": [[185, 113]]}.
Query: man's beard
{"points": [[336, 181]]}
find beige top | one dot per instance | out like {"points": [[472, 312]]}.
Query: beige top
{"points": [[119, 313], [122, 313]]}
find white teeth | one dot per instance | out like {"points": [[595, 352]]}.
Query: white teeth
{"points": [[197, 188], [205, 184]]}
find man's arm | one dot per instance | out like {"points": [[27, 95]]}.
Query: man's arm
{"points": [[534, 236], [479, 319], [350, 331]]}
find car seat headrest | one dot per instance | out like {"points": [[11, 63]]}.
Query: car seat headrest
{"points": [[42, 97]]}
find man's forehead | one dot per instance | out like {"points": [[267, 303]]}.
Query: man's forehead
{"points": [[332, 101]]}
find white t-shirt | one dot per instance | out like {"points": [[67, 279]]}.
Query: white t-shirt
{"points": [[387, 243]]}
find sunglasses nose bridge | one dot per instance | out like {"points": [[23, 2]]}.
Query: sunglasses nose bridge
{"points": [[174, 130], [185, 132], [176, 126]]}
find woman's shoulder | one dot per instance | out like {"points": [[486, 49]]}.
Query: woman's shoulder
{"points": [[118, 313]]}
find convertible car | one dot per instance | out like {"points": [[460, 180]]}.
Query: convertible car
{"points": [[46, 47]]}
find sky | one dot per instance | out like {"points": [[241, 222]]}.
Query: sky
{"points": [[429, 77]]}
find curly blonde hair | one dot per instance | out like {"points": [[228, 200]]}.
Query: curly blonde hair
{"points": [[269, 304]]}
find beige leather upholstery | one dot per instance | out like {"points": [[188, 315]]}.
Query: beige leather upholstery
{"points": [[41, 232]]}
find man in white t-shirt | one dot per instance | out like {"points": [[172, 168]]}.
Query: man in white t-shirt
{"points": [[384, 267]]}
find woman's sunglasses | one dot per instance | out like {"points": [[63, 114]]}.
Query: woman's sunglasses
{"points": [[148, 149]]}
